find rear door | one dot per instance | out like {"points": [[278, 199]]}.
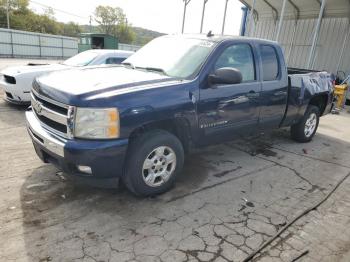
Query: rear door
{"points": [[231, 108], [274, 86]]}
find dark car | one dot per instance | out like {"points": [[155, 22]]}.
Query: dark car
{"points": [[136, 121]]}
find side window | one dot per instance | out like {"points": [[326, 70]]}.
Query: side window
{"points": [[270, 63], [114, 60], [239, 56]]}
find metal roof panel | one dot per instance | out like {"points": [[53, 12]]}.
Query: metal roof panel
{"points": [[308, 8]]}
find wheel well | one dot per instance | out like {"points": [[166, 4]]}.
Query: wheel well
{"points": [[178, 127], [320, 101]]}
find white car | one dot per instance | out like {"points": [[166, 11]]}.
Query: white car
{"points": [[17, 81]]}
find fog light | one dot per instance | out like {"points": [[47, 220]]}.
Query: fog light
{"points": [[85, 169]]}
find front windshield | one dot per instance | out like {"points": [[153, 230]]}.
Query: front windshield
{"points": [[173, 56], [82, 59]]}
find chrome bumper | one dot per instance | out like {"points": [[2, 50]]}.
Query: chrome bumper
{"points": [[42, 137]]}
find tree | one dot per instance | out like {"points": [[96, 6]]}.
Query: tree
{"points": [[108, 17], [16, 7], [71, 29], [112, 21], [22, 18], [19, 5], [50, 13], [124, 33]]}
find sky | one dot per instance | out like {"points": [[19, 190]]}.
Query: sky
{"points": [[160, 15]]}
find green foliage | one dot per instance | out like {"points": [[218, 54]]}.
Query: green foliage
{"points": [[112, 21], [22, 18], [143, 36], [108, 17], [18, 5], [71, 29], [125, 33]]}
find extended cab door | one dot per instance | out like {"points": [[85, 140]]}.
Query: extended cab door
{"points": [[230, 108], [274, 86]]}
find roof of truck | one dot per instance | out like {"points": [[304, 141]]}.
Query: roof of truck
{"points": [[220, 38]]}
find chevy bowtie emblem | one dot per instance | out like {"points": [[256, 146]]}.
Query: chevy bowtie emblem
{"points": [[38, 107]]}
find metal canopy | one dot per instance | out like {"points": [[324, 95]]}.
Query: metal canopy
{"points": [[314, 33], [302, 9]]}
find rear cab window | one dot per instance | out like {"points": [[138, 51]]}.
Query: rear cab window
{"points": [[270, 63]]}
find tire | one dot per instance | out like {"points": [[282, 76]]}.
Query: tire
{"points": [[309, 121], [157, 174]]}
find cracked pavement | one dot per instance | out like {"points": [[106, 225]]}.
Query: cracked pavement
{"points": [[229, 200]]}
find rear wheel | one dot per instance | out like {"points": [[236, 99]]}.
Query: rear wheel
{"points": [[154, 160], [306, 128]]}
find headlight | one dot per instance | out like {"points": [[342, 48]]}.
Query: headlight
{"points": [[96, 123]]}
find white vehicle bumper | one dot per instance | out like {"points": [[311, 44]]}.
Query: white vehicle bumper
{"points": [[15, 93]]}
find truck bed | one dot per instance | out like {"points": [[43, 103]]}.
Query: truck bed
{"points": [[303, 85], [297, 71]]}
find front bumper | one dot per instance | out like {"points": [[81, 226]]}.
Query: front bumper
{"points": [[15, 94], [105, 158]]}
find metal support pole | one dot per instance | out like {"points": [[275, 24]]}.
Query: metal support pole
{"points": [[12, 51], [243, 21], [186, 2], [203, 11], [343, 48], [293, 40], [281, 20], [40, 45], [315, 38], [249, 29], [62, 47], [224, 19], [8, 13]]}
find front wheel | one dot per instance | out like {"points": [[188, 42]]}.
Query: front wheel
{"points": [[306, 128], [154, 160]]}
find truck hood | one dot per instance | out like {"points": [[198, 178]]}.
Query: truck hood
{"points": [[70, 86], [28, 69]]}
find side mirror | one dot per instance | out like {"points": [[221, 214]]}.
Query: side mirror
{"points": [[226, 75]]}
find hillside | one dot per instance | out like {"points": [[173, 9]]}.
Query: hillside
{"points": [[142, 35]]}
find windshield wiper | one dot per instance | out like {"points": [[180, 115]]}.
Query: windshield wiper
{"points": [[156, 69], [129, 64]]}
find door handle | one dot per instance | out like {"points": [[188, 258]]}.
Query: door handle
{"points": [[253, 94], [280, 93], [236, 100]]}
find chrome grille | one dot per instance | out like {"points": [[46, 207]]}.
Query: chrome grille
{"points": [[52, 115]]}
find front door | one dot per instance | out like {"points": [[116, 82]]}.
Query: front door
{"points": [[231, 108]]}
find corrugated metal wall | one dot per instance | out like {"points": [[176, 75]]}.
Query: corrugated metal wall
{"points": [[329, 45], [128, 47], [15, 43]]}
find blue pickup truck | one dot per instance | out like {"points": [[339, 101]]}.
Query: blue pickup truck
{"points": [[137, 121]]}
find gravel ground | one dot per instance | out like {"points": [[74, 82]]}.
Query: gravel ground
{"points": [[229, 200]]}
